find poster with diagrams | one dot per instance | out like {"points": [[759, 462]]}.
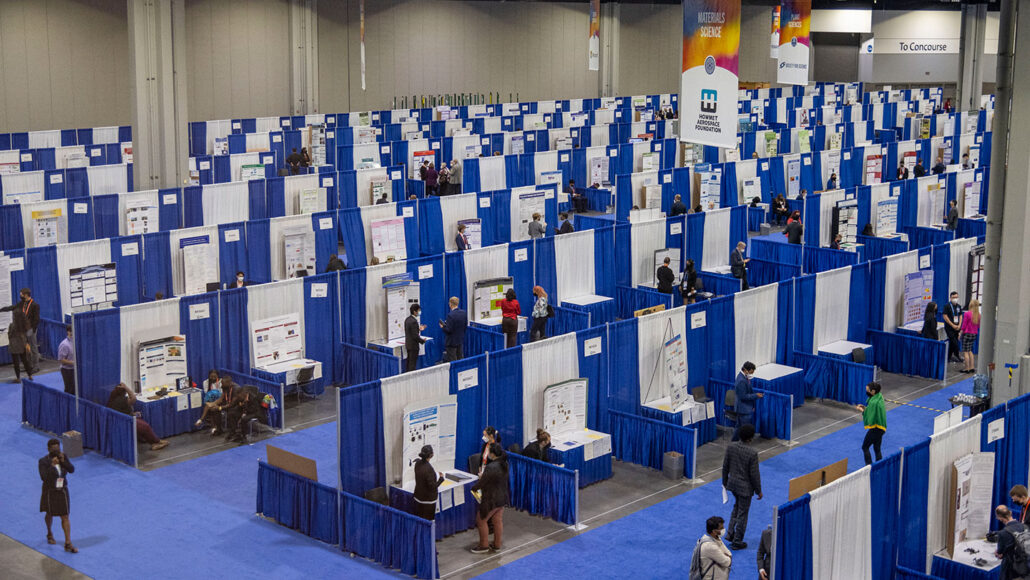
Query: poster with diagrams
{"points": [[388, 241], [565, 407], [5, 292], [887, 217], [299, 252], [918, 293], [252, 171], [432, 423], [711, 185], [793, 178], [555, 177], [804, 144], [141, 217], [486, 297], [199, 265], [675, 358], [318, 144], [936, 194], [529, 203], [873, 169], [377, 187], [277, 339], [971, 199], [45, 227], [973, 485], [221, 146], [473, 232], [752, 188], [976, 273], [518, 144], [401, 292], [161, 363], [308, 200], [771, 144], [416, 161], [92, 287], [599, 171]]}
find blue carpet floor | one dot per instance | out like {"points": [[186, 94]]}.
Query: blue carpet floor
{"points": [[190, 519], [657, 542]]}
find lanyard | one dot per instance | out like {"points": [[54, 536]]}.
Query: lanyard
{"points": [[25, 309]]}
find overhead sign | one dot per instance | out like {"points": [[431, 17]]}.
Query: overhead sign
{"points": [[915, 46], [708, 83], [774, 40], [794, 42]]}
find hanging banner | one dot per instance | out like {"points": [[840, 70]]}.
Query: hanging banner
{"points": [[794, 42], [362, 10], [594, 42], [708, 84], [774, 41]]}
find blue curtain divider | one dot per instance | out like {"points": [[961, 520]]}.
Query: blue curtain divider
{"points": [[909, 355], [388, 536], [298, 503], [876, 248], [644, 441], [836, 379], [794, 539], [472, 405], [818, 259], [775, 251], [912, 517], [904, 573], [480, 340], [359, 365], [234, 342], [998, 447], [623, 387], [1017, 442], [108, 432], [362, 461], [505, 394], [98, 338], [761, 272], [629, 300], [542, 489], [884, 484], [773, 412], [47, 409]]}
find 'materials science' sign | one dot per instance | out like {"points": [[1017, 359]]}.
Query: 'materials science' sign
{"points": [[708, 83]]}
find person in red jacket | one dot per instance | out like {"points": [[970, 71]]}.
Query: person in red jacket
{"points": [[510, 312]]}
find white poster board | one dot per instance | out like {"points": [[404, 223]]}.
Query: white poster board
{"points": [[252, 171], [45, 227], [276, 339], [19, 198], [5, 295], [92, 287], [565, 407], [198, 264], [529, 204], [429, 423], [140, 218], [873, 169], [308, 200], [886, 217], [401, 292], [676, 372], [752, 189], [971, 199], [711, 184], [974, 488], [416, 161], [918, 293], [599, 171], [486, 297], [388, 239], [518, 144], [793, 178], [161, 363], [473, 232], [299, 252]]}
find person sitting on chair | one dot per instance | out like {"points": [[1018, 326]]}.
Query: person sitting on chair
{"points": [[246, 406], [540, 448]]}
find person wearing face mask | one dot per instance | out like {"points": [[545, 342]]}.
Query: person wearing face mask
{"points": [[240, 281], [412, 338], [952, 323], [874, 417], [746, 398], [493, 487], [711, 559], [54, 468], [490, 436], [427, 485]]}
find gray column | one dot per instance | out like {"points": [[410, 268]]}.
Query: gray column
{"points": [[971, 55], [608, 79], [157, 61], [1005, 328], [304, 56]]}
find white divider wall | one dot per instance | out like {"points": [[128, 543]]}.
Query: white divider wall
{"points": [[104, 179], [958, 268], [175, 252], [257, 142], [946, 447], [574, 260], [294, 185], [544, 161], [484, 264], [27, 224], [364, 178], [827, 201], [898, 266], [452, 209], [27, 182], [375, 298], [925, 216], [78, 255], [492, 175], [276, 228], [652, 332], [755, 322], [370, 214], [402, 390], [832, 304], [545, 363], [143, 322], [716, 249], [842, 538], [238, 160], [600, 136], [43, 139], [645, 239], [275, 299], [223, 203]]}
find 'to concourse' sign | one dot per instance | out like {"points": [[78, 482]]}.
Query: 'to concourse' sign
{"points": [[708, 84]]}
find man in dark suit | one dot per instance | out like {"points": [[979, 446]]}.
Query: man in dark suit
{"points": [[454, 331], [746, 398], [566, 226], [738, 265], [580, 204], [666, 277], [678, 207], [765, 554], [940, 167], [919, 170], [952, 322], [25, 318], [461, 240], [412, 340], [740, 476], [794, 231], [952, 215]]}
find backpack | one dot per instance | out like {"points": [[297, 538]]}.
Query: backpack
{"points": [[1021, 552], [550, 311], [695, 561]]}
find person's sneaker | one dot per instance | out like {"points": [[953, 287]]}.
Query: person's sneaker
{"points": [[159, 445], [215, 432], [738, 545], [198, 423], [494, 548], [479, 550]]}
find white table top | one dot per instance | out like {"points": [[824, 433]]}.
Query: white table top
{"points": [[586, 299], [842, 347], [572, 439], [917, 326], [772, 371], [287, 365], [399, 342], [446, 485], [985, 550], [725, 269]]}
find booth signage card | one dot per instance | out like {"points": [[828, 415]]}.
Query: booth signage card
{"points": [[130, 249], [325, 223], [794, 42], [468, 378], [592, 346], [319, 290], [425, 272], [484, 202], [708, 80], [995, 430], [676, 228], [200, 311], [408, 211], [79, 208], [56, 178], [232, 235], [521, 254], [17, 264], [697, 320]]}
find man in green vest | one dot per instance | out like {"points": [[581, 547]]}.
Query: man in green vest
{"points": [[874, 416]]}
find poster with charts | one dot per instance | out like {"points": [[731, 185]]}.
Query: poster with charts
{"points": [[10, 168], [140, 217], [973, 482], [416, 161], [565, 408], [299, 252], [22, 198], [518, 144], [199, 259], [675, 357], [970, 199], [529, 204], [599, 170], [92, 287], [5, 295], [793, 178], [308, 200], [433, 422], [886, 217], [161, 362], [221, 146], [752, 188], [45, 227], [252, 171], [276, 339], [873, 169], [388, 241], [711, 184], [401, 292], [486, 297], [918, 293]]}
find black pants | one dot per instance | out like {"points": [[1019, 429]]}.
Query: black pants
{"points": [[539, 329], [412, 361], [214, 419], [510, 328], [580, 203], [872, 437], [69, 380], [738, 518], [453, 353], [743, 281], [426, 511], [233, 419], [21, 360], [953, 350]]}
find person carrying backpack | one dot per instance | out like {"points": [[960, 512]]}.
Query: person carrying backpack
{"points": [[711, 559], [1013, 546]]}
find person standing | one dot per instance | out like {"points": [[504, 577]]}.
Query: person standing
{"points": [[455, 176], [765, 554], [929, 330], [831, 183], [970, 329], [1019, 497], [952, 216], [565, 226], [427, 485], [795, 229], [432, 176], [688, 282], [493, 487], [874, 417], [1013, 561], [746, 398], [666, 277], [510, 312], [541, 311], [740, 476], [461, 240], [738, 265], [940, 167], [423, 171], [54, 468], [66, 356], [453, 328], [20, 345], [412, 338], [678, 207], [902, 171], [711, 560], [919, 170], [444, 179], [952, 324], [536, 227]]}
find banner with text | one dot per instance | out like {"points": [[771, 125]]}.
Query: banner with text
{"points": [[793, 53], [774, 40], [594, 42], [708, 84]]}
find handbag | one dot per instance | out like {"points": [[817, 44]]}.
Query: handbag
{"points": [[550, 311]]}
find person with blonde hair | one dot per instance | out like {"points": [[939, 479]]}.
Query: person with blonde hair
{"points": [[970, 329], [541, 312]]}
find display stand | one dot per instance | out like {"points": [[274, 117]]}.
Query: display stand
{"points": [[277, 353], [93, 287], [573, 445]]}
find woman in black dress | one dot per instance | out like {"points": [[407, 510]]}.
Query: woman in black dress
{"points": [[930, 322], [426, 485], [55, 501]]}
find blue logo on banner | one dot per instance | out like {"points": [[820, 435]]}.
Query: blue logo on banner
{"points": [[794, 41], [709, 100], [710, 64]]}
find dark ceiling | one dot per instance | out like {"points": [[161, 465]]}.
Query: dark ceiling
{"points": [[878, 4]]}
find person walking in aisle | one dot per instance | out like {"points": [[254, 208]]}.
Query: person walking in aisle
{"points": [[54, 468], [510, 312], [454, 327], [541, 312], [740, 476], [412, 339], [874, 417], [952, 324], [678, 207], [746, 398], [66, 356], [711, 560], [493, 489], [970, 329]]}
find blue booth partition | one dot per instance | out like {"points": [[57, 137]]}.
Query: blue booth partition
{"points": [[388, 536], [832, 378], [629, 300], [543, 489], [909, 355], [298, 503], [774, 413], [644, 441], [364, 365]]}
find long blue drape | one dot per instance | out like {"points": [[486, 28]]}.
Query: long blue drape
{"points": [[721, 339], [910, 355], [912, 518], [352, 292], [884, 479], [542, 489], [594, 368], [98, 339], [389, 536], [202, 332], [645, 441], [298, 503], [623, 389], [259, 259], [232, 256], [362, 455], [794, 539], [1017, 442], [129, 266], [235, 344], [157, 267], [472, 407], [505, 394], [998, 447], [321, 331]]}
